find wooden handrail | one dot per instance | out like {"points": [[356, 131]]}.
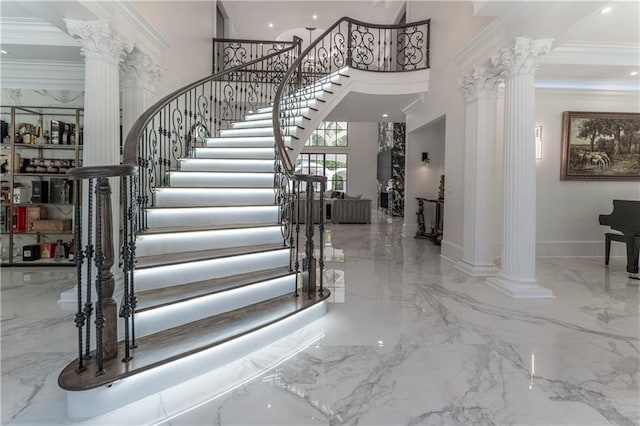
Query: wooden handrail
{"points": [[130, 150]]}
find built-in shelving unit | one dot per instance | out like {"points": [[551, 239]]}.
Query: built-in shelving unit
{"points": [[38, 146]]}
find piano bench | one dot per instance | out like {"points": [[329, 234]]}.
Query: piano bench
{"points": [[608, 237]]}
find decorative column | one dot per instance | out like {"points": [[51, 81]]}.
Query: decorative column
{"points": [[518, 275], [139, 77], [103, 50], [481, 95]]}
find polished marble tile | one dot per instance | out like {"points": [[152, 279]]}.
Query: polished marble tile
{"points": [[408, 339]]}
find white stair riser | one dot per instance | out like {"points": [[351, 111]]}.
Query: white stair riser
{"points": [[298, 106], [202, 197], [248, 153], [228, 180], [154, 244], [238, 142], [216, 216], [174, 315], [268, 115], [170, 275], [258, 131], [261, 131], [263, 123], [214, 165], [313, 90]]}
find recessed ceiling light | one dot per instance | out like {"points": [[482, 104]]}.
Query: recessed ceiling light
{"points": [[633, 73], [385, 115], [4, 52], [605, 10], [315, 16], [270, 24]]}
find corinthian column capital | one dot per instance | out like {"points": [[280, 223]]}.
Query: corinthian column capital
{"points": [[139, 67], [98, 40], [522, 58], [480, 80]]}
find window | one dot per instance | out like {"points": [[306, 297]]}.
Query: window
{"points": [[325, 154], [329, 134], [333, 166]]}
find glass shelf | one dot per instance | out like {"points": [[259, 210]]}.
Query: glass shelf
{"points": [[45, 146]]}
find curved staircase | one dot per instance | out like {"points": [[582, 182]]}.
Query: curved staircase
{"points": [[209, 257]]}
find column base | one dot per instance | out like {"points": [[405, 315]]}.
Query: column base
{"points": [[519, 289], [476, 270]]}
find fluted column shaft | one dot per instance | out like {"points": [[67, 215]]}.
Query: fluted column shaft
{"points": [[519, 241], [481, 95], [518, 276], [103, 50]]}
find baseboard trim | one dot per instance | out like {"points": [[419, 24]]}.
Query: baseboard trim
{"points": [[519, 289], [476, 270], [451, 251]]}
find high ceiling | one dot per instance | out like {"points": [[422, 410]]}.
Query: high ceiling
{"points": [[251, 19], [592, 49]]}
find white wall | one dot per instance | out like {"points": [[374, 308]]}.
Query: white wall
{"points": [[423, 181], [363, 160], [567, 211], [452, 26], [188, 26]]}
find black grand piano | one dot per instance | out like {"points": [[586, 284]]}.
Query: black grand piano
{"points": [[626, 219]]}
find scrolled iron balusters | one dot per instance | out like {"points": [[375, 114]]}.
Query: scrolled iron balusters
{"points": [[89, 252], [338, 51], [234, 54], [411, 48], [285, 207], [99, 262], [177, 142], [80, 318], [362, 47], [226, 117]]}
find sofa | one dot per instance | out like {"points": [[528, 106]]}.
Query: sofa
{"points": [[351, 210], [338, 207]]}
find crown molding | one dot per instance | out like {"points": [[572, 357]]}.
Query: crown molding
{"points": [[34, 31], [588, 94], [609, 85], [594, 53], [42, 75], [131, 24]]}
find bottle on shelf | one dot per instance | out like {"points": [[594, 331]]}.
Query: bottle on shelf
{"points": [[59, 252]]}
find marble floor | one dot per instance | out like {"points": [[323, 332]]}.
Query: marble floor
{"points": [[408, 340]]}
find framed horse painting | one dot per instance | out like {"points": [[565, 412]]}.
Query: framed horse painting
{"points": [[600, 146]]}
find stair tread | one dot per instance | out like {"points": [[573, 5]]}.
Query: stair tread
{"points": [[193, 256], [163, 296], [178, 342], [211, 207], [191, 228], [226, 172], [214, 188]]}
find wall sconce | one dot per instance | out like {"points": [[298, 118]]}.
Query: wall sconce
{"points": [[425, 158], [538, 141]]}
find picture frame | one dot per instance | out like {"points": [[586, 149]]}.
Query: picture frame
{"points": [[600, 146]]}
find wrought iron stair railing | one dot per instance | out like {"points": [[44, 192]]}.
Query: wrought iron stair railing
{"points": [[230, 52], [179, 122]]}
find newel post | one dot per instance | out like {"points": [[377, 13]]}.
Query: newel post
{"points": [[106, 312]]}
